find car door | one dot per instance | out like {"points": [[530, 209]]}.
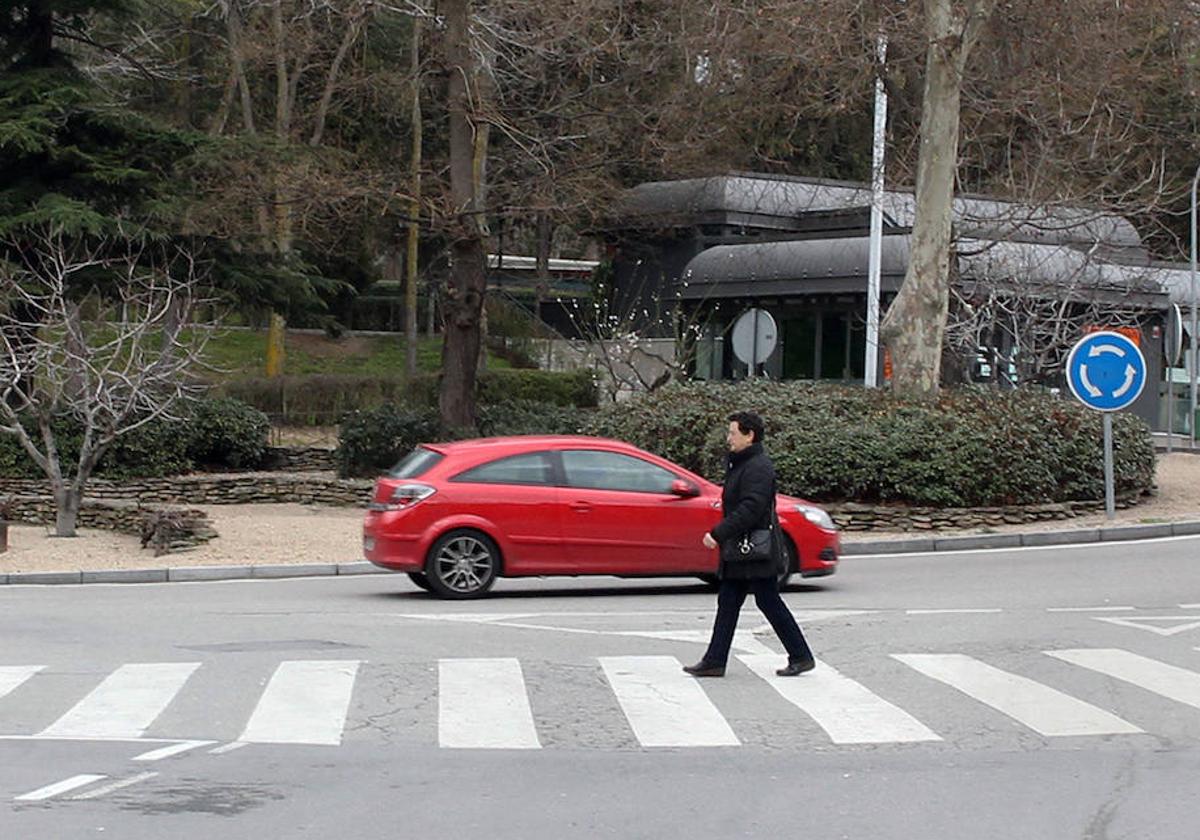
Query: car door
{"points": [[518, 496], [619, 516]]}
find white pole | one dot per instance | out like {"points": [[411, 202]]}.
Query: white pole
{"points": [[875, 250], [1192, 337]]}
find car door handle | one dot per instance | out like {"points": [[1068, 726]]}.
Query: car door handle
{"points": [[581, 507]]}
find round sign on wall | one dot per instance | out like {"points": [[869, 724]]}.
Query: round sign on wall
{"points": [[754, 336]]}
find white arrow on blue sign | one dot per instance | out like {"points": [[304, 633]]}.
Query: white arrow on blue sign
{"points": [[1106, 371]]}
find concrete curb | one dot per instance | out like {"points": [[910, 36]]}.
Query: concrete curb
{"points": [[906, 545], [1022, 540], [193, 573]]}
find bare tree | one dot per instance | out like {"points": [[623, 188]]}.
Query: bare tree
{"points": [[916, 320], [1027, 307], [639, 344], [101, 335]]}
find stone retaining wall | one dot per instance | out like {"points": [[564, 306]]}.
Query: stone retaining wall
{"points": [[163, 527], [219, 489], [299, 459], [851, 516]]}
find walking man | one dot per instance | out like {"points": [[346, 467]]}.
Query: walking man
{"points": [[748, 504]]}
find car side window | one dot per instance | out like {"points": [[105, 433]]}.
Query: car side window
{"points": [[530, 468], [596, 470]]}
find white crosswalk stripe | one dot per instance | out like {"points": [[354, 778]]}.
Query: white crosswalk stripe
{"points": [[12, 676], [847, 711], [483, 703], [489, 703], [305, 702], [1043, 709], [664, 706], [1170, 681], [125, 703]]}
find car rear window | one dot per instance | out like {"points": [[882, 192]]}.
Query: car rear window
{"points": [[415, 463]]}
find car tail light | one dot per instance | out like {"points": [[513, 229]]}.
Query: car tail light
{"points": [[404, 496]]}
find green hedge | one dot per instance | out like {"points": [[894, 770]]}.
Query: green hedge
{"points": [[971, 448], [324, 399], [214, 433], [373, 440]]}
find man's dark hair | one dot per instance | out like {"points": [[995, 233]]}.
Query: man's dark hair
{"points": [[749, 423]]}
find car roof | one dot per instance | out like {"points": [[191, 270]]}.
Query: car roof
{"points": [[523, 442]]}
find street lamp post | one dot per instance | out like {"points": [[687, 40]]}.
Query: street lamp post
{"points": [[875, 248]]}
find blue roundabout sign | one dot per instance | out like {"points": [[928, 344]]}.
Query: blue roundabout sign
{"points": [[1106, 371]]}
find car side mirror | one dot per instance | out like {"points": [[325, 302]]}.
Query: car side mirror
{"points": [[684, 489]]}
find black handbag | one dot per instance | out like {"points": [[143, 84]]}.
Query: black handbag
{"points": [[752, 547]]}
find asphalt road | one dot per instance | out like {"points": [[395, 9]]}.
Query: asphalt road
{"points": [[1034, 693]]}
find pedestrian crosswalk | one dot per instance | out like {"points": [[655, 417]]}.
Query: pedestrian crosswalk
{"points": [[500, 703]]}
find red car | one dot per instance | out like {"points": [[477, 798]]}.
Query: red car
{"points": [[455, 516]]}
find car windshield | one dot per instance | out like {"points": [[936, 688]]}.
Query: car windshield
{"points": [[415, 463]]}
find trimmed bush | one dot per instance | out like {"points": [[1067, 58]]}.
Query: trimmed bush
{"points": [[525, 417], [323, 399], [373, 440], [216, 433], [318, 399], [970, 448], [227, 432], [155, 449]]}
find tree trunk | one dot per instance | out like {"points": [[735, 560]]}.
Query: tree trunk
{"points": [[916, 320], [66, 510], [411, 274], [463, 301]]}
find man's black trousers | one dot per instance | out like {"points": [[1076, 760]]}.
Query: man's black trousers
{"points": [[730, 598]]}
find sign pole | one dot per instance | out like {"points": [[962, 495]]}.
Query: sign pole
{"points": [[1106, 371], [1110, 505]]}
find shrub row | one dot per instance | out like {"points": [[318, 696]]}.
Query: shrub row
{"points": [[214, 433], [373, 440], [970, 448], [323, 399]]}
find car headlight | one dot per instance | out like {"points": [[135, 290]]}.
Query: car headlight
{"points": [[817, 516]]}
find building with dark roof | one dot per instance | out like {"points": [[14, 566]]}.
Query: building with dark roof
{"points": [[798, 247]]}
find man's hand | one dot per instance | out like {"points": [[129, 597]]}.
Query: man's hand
{"points": [[709, 542]]}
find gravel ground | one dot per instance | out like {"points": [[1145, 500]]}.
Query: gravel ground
{"points": [[291, 533]]}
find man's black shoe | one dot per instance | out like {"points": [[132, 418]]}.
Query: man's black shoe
{"points": [[796, 667], [703, 669]]}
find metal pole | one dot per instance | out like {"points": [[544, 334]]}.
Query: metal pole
{"points": [[1192, 333], [1110, 505], [875, 249]]}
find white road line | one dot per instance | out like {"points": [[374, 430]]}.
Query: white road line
{"points": [[954, 611], [1189, 606], [12, 676], [1169, 681], [1043, 709], [126, 703], [305, 702], [1079, 546], [230, 747], [112, 787], [847, 711], [483, 704], [664, 706], [59, 787], [173, 749], [1089, 609]]}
